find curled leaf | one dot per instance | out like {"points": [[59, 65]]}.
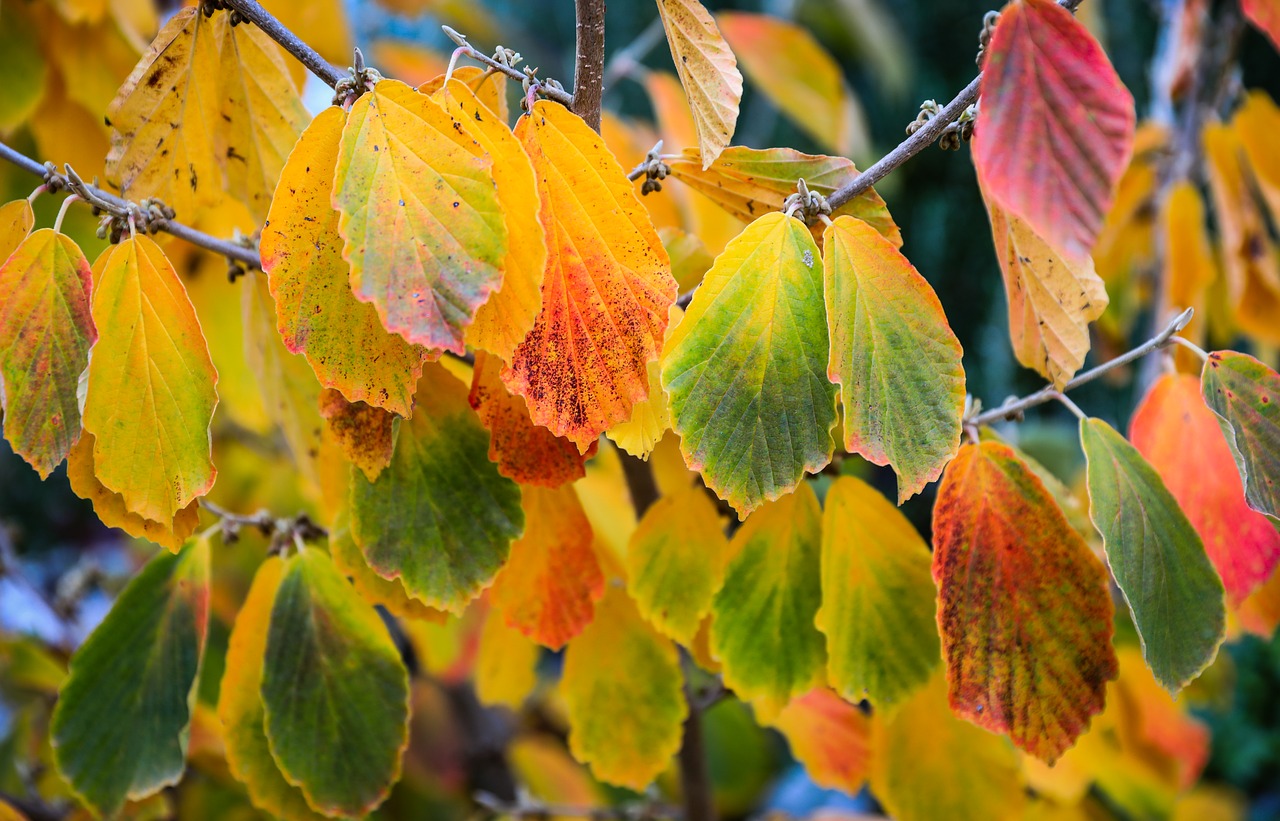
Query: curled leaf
{"points": [[708, 71]]}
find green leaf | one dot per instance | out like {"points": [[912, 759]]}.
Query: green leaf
{"points": [[334, 690], [763, 629], [746, 369], [1245, 394], [121, 726], [893, 354], [440, 517], [879, 609], [1156, 556]]}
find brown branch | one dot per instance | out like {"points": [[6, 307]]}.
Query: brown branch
{"points": [[695, 781], [588, 71]]}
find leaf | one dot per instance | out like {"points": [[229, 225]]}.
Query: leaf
{"points": [[650, 419], [490, 87], [1190, 264], [1179, 436], [332, 680], [894, 356], [607, 288], [1057, 126], [763, 629], [506, 664], [45, 334], [1265, 15], [16, 220], [365, 433], [1156, 556], [317, 315], [440, 518], [623, 696], [1257, 118], [120, 727], [798, 76], [1052, 298], [506, 318], [830, 737], [549, 586], [429, 264], [525, 452], [151, 384], [388, 593], [110, 507], [675, 562], [20, 57], [1023, 606], [746, 368], [928, 764], [1245, 394], [878, 612], [708, 71], [240, 706], [751, 182]]}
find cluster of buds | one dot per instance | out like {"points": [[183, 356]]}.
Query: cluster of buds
{"points": [[360, 78], [989, 21], [955, 134], [148, 216], [928, 110], [532, 85], [654, 170], [235, 267], [208, 7], [810, 206]]}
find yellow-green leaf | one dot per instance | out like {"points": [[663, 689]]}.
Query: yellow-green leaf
{"points": [[16, 220], [708, 71]]}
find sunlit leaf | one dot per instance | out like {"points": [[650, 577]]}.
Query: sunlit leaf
{"points": [[490, 87], [16, 221], [878, 600], [506, 664], [332, 680], [1023, 606], [365, 433], [1057, 126], [623, 695], [607, 289], [440, 517], [707, 70], [1156, 556], [120, 728], [1245, 394], [894, 356], [830, 737], [1181, 439], [763, 629], [45, 334], [151, 384]]}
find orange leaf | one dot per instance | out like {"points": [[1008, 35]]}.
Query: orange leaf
{"points": [[608, 284], [1023, 605], [830, 736]]}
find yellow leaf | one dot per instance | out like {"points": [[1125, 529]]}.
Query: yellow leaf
{"points": [[321, 24], [1190, 267], [16, 220], [151, 384], [1256, 124], [708, 71], [489, 88], [505, 664], [651, 418]]}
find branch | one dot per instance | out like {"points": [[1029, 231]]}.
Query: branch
{"points": [[588, 71], [695, 781], [282, 532]]}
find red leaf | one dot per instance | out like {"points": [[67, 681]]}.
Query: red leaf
{"points": [[1265, 14]]}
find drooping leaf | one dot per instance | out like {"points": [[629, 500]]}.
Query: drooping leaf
{"points": [[429, 263], [798, 76], [365, 433], [45, 334], [335, 694], [676, 561], [16, 220], [1265, 14], [240, 706], [878, 600], [763, 628], [151, 384], [894, 356], [607, 288], [928, 764], [1245, 394], [830, 737], [1057, 125], [389, 593], [1181, 439], [1023, 606], [506, 318], [623, 695], [1052, 297], [550, 584], [708, 71], [1253, 122], [1156, 556], [440, 517], [525, 452], [746, 367], [121, 724], [751, 182], [316, 312], [505, 664]]}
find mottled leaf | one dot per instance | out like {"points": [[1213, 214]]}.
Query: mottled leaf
{"points": [[1057, 125], [121, 724], [894, 356], [830, 737], [335, 694], [878, 600], [317, 314], [708, 71], [364, 432], [1023, 606], [151, 384], [440, 517], [746, 368], [650, 419], [623, 695], [45, 334], [389, 593], [1245, 394], [607, 288]]}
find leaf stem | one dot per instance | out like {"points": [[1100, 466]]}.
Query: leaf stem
{"points": [[62, 212], [1061, 397], [1191, 346]]}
